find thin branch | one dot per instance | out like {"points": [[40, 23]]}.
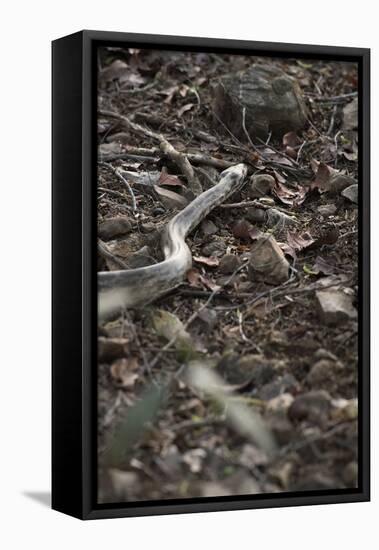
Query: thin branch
{"points": [[180, 159], [119, 175]]}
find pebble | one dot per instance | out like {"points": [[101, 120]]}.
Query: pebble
{"points": [[313, 406], [208, 228], [158, 211], [255, 215], [323, 372], [242, 229], [283, 384], [327, 209], [267, 261], [229, 263], [261, 184], [109, 349], [335, 307], [351, 193], [214, 248], [114, 227]]}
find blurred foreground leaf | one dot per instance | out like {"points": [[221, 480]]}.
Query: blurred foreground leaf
{"points": [[132, 427]]}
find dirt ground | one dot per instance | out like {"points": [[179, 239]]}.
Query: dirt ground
{"points": [[272, 346]]}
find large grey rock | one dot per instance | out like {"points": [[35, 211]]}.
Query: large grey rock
{"points": [[272, 102]]}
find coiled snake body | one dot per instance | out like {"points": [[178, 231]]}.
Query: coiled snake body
{"points": [[118, 290]]}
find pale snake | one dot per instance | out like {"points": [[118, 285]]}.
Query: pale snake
{"points": [[118, 290]]}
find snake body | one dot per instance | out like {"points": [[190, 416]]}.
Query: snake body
{"points": [[132, 288]]}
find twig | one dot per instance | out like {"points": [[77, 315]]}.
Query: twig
{"points": [[332, 121], [280, 290], [179, 158], [281, 153], [116, 204], [335, 98], [195, 158], [111, 192], [247, 204], [247, 133], [118, 174]]}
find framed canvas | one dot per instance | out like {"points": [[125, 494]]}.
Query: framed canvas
{"points": [[210, 275]]}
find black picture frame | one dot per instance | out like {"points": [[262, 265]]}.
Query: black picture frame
{"points": [[74, 276]]}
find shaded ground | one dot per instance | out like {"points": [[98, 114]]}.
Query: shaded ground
{"points": [[275, 351]]}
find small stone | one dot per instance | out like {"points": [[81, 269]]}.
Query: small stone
{"points": [[109, 349], [323, 372], [344, 411], [280, 404], [313, 406], [148, 227], [335, 307], [322, 353], [282, 384], [158, 211], [277, 218], [208, 316], [242, 229], [351, 193], [114, 227], [252, 456], [260, 369], [281, 427], [261, 184], [170, 199], [255, 215], [267, 261], [214, 248], [327, 209], [338, 182], [229, 263], [208, 228]]}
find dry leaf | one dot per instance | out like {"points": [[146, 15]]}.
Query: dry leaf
{"points": [[210, 261], [291, 139], [299, 242], [184, 109], [123, 372]]}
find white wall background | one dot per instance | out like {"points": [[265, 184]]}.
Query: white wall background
{"points": [[26, 31]]}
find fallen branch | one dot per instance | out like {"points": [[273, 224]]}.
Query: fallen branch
{"points": [[118, 174], [180, 159]]}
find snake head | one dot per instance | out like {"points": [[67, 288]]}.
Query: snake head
{"points": [[237, 173]]}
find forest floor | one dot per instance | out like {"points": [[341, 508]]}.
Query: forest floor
{"points": [[276, 351]]}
